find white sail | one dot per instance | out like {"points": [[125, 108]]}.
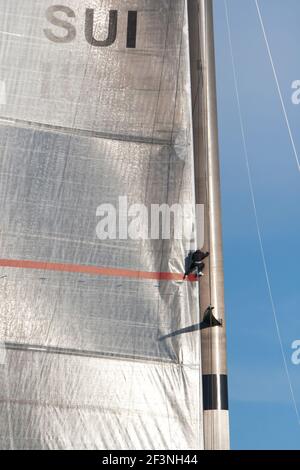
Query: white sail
{"points": [[90, 115]]}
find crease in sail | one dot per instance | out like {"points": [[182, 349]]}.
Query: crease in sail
{"points": [[84, 365]]}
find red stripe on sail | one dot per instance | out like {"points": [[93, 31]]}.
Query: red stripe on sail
{"points": [[93, 270]]}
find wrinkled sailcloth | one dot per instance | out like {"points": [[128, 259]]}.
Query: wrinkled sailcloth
{"points": [[94, 361]]}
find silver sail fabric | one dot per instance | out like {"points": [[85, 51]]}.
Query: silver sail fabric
{"points": [[87, 364]]}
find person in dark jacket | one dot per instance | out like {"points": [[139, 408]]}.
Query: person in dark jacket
{"points": [[196, 263]]}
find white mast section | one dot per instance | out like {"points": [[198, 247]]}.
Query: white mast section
{"points": [[207, 180]]}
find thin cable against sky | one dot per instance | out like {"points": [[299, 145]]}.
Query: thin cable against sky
{"points": [[277, 84], [259, 231]]}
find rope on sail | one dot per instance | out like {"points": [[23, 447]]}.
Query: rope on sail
{"points": [[258, 227], [278, 85]]}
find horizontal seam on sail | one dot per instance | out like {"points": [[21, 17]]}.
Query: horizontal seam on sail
{"points": [[85, 132], [31, 348]]}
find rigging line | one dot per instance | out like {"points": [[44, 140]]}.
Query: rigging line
{"points": [[278, 85], [259, 232]]}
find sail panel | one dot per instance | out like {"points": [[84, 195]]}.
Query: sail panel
{"points": [[113, 90], [95, 360], [69, 402]]}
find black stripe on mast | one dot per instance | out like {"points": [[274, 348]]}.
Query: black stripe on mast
{"points": [[215, 392]]}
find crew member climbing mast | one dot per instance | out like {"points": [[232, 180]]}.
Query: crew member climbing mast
{"points": [[196, 264]]}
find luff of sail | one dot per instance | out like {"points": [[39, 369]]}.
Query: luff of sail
{"points": [[82, 124]]}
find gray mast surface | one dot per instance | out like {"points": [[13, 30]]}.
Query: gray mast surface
{"points": [[207, 177]]}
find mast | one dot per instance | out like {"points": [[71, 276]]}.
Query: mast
{"points": [[207, 185]]}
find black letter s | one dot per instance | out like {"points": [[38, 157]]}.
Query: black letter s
{"points": [[50, 15]]}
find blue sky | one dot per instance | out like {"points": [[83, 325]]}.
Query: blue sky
{"points": [[262, 412]]}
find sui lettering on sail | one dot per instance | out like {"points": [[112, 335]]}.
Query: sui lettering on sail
{"points": [[60, 16]]}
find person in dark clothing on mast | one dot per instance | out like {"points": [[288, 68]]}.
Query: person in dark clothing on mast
{"points": [[196, 263]]}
